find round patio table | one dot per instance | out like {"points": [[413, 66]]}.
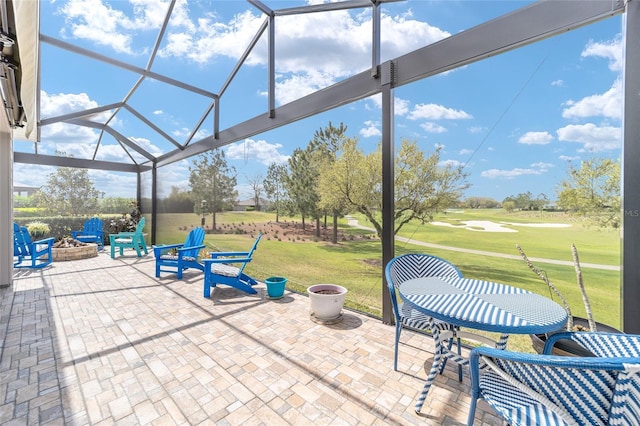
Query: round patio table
{"points": [[479, 305]]}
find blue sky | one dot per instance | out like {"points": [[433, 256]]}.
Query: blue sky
{"points": [[516, 121]]}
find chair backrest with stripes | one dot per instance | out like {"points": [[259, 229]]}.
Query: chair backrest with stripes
{"points": [[415, 265]]}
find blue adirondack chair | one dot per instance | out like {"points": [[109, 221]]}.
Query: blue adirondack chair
{"points": [[92, 232], [134, 240], [36, 254], [186, 255], [219, 270]]}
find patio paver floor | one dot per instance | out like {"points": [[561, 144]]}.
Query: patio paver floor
{"points": [[102, 341]]}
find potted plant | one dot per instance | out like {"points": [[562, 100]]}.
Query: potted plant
{"points": [[275, 287], [38, 230], [573, 323], [327, 301]]}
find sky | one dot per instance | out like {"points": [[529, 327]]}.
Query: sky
{"points": [[515, 121]]}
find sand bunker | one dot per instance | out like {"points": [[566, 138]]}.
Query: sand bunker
{"points": [[489, 226]]}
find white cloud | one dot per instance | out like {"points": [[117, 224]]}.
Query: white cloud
{"points": [[31, 174], [476, 129], [450, 163], [437, 112], [261, 151], [465, 151], [146, 144], [510, 174], [608, 104], [611, 50], [593, 138], [430, 127], [535, 138], [558, 83], [401, 106], [542, 166], [313, 50], [568, 158], [371, 129], [98, 22], [79, 141], [291, 87]]}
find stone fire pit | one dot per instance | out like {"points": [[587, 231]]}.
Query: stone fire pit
{"points": [[70, 249]]}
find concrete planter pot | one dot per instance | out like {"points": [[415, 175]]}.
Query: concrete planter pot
{"points": [[327, 301]]}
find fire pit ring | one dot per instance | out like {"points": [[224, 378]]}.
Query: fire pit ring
{"points": [[70, 249]]}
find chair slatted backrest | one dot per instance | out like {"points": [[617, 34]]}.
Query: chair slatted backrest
{"points": [[93, 226], [625, 395], [20, 245], [195, 238], [600, 390], [415, 265], [140, 226], [28, 242], [250, 254]]}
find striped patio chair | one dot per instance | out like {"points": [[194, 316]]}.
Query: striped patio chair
{"points": [[528, 389], [406, 267]]}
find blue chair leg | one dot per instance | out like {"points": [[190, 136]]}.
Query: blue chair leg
{"points": [[395, 356]]}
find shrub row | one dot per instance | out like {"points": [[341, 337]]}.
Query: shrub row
{"points": [[61, 226]]}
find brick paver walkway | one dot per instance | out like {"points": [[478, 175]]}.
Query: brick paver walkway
{"points": [[102, 341]]}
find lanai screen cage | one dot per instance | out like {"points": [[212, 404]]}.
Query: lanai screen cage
{"points": [[40, 40]]}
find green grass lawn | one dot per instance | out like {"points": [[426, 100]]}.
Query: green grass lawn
{"points": [[357, 265]]}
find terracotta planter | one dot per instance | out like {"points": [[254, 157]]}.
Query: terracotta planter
{"points": [[567, 347]]}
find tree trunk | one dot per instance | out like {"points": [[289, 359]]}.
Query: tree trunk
{"points": [[334, 236]]}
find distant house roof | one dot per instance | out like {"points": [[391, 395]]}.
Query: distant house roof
{"points": [[20, 188], [251, 202]]}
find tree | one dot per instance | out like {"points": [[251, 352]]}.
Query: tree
{"points": [[593, 190], [256, 186], [301, 184], [481, 203], [524, 200], [111, 205], [274, 185], [328, 142], [540, 202], [212, 184], [509, 205], [69, 191], [422, 186], [180, 200]]}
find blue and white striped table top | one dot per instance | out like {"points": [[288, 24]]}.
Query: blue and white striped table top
{"points": [[484, 305]]}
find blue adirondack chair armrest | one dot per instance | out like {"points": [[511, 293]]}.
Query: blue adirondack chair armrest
{"points": [[47, 241], [215, 254], [230, 260], [200, 247], [179, 247], [160, 249], [123, 234]]}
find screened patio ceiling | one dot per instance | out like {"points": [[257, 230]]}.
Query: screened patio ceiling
{"points": [[32, 49]]}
